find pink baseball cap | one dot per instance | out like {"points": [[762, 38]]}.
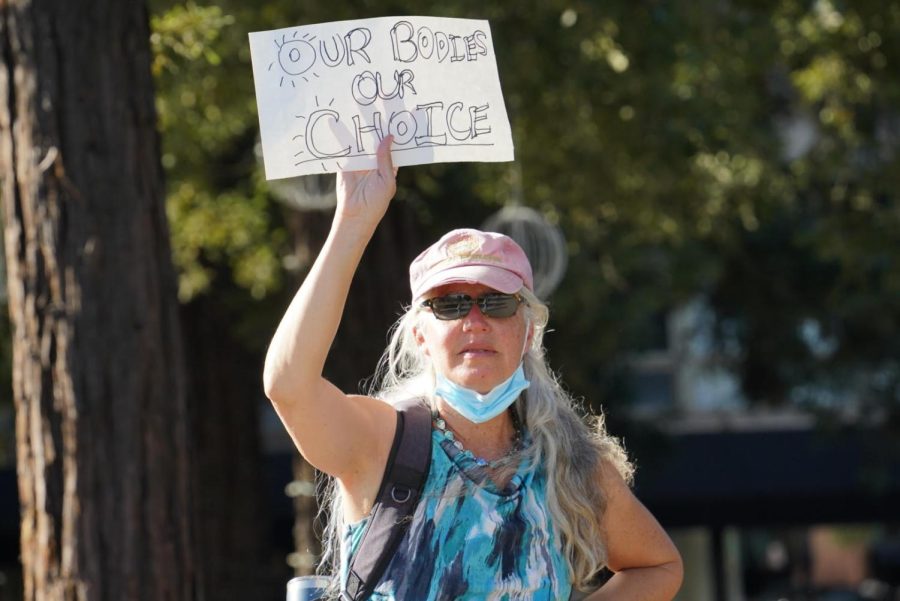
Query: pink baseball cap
{"points": [[471, 256]]}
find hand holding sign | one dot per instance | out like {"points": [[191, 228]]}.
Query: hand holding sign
{"points": [[328, 94], [363, 196]]}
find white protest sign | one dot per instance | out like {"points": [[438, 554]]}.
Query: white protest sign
{"points": [[328, 93]]}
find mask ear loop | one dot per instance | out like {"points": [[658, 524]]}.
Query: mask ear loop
{"points": [[528, 340], [519, 406]]}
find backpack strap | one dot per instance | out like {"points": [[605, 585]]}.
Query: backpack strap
{"points": [[402, 484]]}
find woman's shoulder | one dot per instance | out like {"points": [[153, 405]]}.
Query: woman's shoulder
{"points": [[612, 478]]}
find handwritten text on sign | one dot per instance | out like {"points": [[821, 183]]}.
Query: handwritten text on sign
{"points": [[328, 93]]}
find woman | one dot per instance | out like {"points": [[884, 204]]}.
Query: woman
{"points": [[523, 500]]}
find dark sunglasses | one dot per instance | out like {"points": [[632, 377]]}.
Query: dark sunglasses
{"points": [[456, 306]]}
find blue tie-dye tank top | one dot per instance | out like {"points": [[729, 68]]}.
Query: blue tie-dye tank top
{"points": [[468, 540]]}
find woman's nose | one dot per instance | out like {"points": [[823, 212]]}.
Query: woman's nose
{"points": [[475, 320]]}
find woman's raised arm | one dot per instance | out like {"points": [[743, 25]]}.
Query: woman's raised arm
{"points": [[331, 429]]}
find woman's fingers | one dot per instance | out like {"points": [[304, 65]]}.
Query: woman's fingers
{"points": [[385, 166], [385, 160], [366, 194]]}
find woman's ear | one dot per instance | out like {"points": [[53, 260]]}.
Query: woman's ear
{"points": [[420, 340]]}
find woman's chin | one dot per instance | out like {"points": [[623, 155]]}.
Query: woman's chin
{"points": [[480, 382]]}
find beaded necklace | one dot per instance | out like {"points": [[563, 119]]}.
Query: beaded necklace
{"points": [[447, 433]]}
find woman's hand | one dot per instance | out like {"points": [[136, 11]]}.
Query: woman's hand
{"points": [[364, 196]]}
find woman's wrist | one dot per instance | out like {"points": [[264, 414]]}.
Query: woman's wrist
{"points": [[351, 232]]}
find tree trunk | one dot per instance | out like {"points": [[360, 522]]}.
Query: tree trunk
{"points": [[230, 488], [98, 381]]}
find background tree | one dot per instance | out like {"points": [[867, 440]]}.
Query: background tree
{"points": [[98, 379], [671, 160]]}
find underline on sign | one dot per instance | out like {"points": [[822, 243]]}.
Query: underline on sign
{"points": [[371, 154]]}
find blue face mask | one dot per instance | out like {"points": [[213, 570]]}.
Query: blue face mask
{"points": [[480, 408]]}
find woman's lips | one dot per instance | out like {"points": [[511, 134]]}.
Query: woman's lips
{"points": [[477, 352]]}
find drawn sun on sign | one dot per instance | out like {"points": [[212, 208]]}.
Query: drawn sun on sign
{"points": [[295, 57]]}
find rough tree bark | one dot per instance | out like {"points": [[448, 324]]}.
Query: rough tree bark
{"points": [[103, 465], [239, 559]]}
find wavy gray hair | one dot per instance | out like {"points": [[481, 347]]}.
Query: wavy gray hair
{"points": [[572, 450]]}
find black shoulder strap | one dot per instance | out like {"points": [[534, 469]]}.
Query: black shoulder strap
{"points": [[403, 481]]}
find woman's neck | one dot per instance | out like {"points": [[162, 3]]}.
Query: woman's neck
{"points": [[490, 440]]}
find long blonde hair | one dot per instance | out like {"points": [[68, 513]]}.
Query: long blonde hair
{"points": [[569, 448]]}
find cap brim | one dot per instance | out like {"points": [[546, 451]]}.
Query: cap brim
{"points": [[497, 278]]}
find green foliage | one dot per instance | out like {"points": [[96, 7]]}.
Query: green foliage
{"points": [[667, 140], [221, 217]]}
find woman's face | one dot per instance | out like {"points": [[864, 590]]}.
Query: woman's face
{"points": [[474, 351]]}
